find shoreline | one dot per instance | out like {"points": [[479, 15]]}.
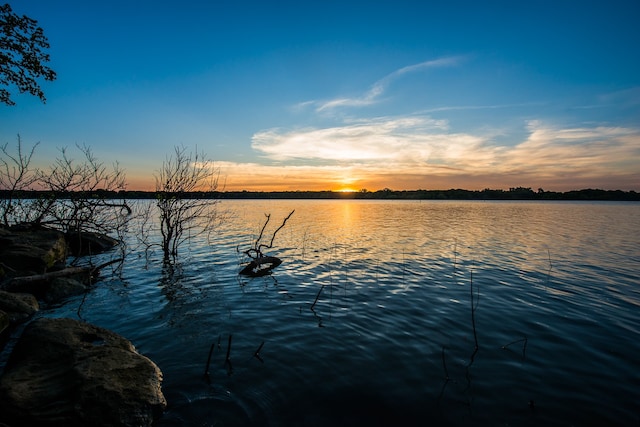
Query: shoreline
{"points": [[519, 193]]}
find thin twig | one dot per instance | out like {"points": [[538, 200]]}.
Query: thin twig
{"points": [[446, 373], [475, 335], [227, 361], [317, 296], [444, 365], [257, 353], [455, 255], [206, 369], [550, 267], [473, 318], [257, 248], [227, 358], [524, 346], [270, 245]]}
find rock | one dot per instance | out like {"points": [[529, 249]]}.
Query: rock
{"points": [[63, 287], [25, 252], [4, 322], [88, 243], [65, 372], [18, 306]]}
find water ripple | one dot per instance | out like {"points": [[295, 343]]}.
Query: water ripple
{"points": [[370, 315]]}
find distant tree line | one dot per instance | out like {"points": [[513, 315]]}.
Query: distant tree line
{"points": [[516, 193]]}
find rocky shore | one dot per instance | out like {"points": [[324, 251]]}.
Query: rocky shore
{"points": [[64, 371]]}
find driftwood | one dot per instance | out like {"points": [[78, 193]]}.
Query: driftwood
{"points": [[261, 264], [39, 279]]}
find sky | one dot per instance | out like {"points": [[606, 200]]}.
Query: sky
{"points": [[344, 95]]}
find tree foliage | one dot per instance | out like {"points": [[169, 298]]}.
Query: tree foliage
{"points": [[22, 55]]}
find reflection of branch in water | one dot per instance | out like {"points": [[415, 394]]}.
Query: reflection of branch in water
{"points": [[455, 256], [320, 325], [227, 361], [346, 271], [317, 296], [474, 306], [256, 354], [550, 267], [171, 283], [473, 319], [446, 375], [447, 380], [403, 271], [524, 346], [206, 369], [444, 365], [285, 292]]}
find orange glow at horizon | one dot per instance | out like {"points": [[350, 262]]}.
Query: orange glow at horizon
{"points": [[258, 178], [140, 182]]}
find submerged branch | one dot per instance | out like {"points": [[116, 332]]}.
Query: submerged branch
{"points": [[524, 346], [39, 279], [260, 264], [317, 296]]}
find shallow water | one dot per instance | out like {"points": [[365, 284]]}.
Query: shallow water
{"points": [[370, 318]]}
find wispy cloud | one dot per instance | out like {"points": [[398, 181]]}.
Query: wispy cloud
{"points": [[379, 87], [479, 107], [584, 151], [420, 152], [629, 97], [410, 139]]}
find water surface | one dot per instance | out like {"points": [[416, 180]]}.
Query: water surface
{"points": [[370, 318]]}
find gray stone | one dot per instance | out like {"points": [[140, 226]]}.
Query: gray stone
{"points": [[65, 372], [4, 322], [18, 306], [88, 243], [63, 287], [25, 252]]}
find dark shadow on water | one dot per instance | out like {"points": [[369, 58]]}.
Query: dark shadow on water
{"points": [[353, 407]]}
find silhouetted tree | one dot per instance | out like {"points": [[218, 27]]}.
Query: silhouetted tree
{"points": [[15, 176], [183, 216], [22, 55], [74, 196], [76, 201]]}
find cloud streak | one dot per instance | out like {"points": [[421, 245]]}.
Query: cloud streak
{"points": [[379, 87]]}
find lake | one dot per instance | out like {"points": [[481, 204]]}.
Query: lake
{"points": [[374, 315]]}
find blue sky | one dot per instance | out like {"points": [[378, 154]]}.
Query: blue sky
{"points": [[345, 95]]}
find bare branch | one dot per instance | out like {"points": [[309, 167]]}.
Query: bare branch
{"points": [[182, 215], [15, 176]]}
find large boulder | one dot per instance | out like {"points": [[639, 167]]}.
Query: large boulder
{"points": [[65, 372], [29, 251], [63, 287], [4, 324], [88, 243], [18, 306]]}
